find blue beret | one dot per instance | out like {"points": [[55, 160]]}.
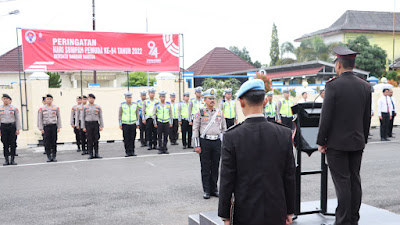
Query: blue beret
{"points": [[251, 85]]}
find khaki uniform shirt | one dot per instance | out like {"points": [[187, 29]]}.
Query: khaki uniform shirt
{"points": [[10, 114], [201, 122], [49, 115], [73, 115], [78, 113], [92, 113]]}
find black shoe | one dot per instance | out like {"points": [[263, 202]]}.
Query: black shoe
{"points": [[215, 194], [150, 148], [127, 155], [391, 136], [166, 152], [387, 139], [133, 154], [6, 162], [190, 146], [160, 152], [12, 161], [97, 156], [49, 159], [142, 145], [78, 150], [206, 195], [16, 154], [90, 157], [184, 147], [54, 159], [44, 153]]}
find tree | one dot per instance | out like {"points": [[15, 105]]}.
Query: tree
{"points": [[245, 55], [314, 49], [138, 78], [274, 50], [54, 80], [287, 48], [220, 85], [371, 58]]}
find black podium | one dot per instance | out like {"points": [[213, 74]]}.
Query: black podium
{"points": [[305, 140]]}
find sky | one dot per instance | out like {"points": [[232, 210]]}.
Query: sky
{"points": [[204, 24]]}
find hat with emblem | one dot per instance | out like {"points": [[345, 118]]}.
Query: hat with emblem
{"points": [[49, 96], [186, 94], [286, 91], [251, 85], [228, 91], [152, 90], [172, 94], [162, 93], [210, 93], [270, 93], [128, 94], [344, 53], [198, 89], [143, 93], [92, 96]]}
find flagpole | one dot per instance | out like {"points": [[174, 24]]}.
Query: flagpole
{"points": [[147, 30], [394, 39]]}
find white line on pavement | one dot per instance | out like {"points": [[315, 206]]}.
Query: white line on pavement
{"points": [[96, 160], [383, 142]]}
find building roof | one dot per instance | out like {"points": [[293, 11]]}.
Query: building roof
{"points": [[309, 68], [217, 61], [9, 60], [360, 21]]}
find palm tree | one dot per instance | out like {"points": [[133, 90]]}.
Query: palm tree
{"points": [[314, 49]]}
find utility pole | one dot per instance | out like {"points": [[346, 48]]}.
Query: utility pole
{"points": [[94, 28]]}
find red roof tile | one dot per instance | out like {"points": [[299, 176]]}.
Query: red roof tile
{"points": [[217, 61], [294, 73], [9, 61]]}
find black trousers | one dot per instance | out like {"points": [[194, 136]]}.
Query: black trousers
{"points": [[186, 130], [390, 133], [83, 138], [142, 129], [93, 136], [77, 137], [8, 138], [173, 131], [345, 170], [162, 132], [151, 133], [288, 121], [129, 134], [271, 119], [229, 122], [209, 160], [50, 141], [385, 123]]}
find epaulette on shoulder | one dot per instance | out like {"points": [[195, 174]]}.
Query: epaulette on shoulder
{"points": [[332, 79], [234, 126], [169, 103], [157, 103]]}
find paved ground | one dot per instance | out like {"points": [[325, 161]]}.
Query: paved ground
{"points": [[151, 188]]}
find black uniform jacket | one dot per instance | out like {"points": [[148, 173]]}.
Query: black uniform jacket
{"points": [[346, 113], [258, 168]]}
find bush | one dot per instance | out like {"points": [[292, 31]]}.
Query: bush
{"points": [[138, 79]]}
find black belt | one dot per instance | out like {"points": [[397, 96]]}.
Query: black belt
{"points": [[384, 113], [48, 125], [92, 122], [7, 124]]}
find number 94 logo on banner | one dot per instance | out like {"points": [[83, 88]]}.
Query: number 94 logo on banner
{"points": [[153, 49]]}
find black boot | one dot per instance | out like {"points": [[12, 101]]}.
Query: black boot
{"points": [[54, 159], [90, 156], [49, 159], [96, 154], [12, 161], [127, 154], [79, 148], [150, 147], [7, 162]]}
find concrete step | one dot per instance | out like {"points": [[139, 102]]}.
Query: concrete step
{"points": [[210, 218], [194, 219]]}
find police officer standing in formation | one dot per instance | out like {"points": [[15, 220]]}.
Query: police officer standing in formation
{"points": [[9, 129], [208, 126], [142, 126], [385, 110], [228, 107], [92, 124], [50, 125], [197, 103], [343, 132], [394, 112], [37, 124], [128, 118], [185, 121], [162, 119], [284, 109], [78, 125], [173, 131], [258, 172], [73, 122], [148, 109], [270, 108]]}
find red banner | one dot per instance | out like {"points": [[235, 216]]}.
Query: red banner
{"points": [[48, 50]]}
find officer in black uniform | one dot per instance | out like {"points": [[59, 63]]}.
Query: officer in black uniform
{"points": [[9, 129], [343, 133]]}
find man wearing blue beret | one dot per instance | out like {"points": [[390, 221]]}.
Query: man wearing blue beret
{"points": [[257, 166]]}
